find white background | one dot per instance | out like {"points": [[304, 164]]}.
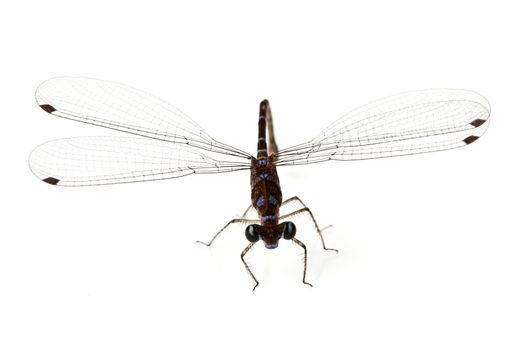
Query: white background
{"points": [[432, 246]]}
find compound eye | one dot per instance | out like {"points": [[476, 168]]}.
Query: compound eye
{"points": [[251, 233], [289, 230]]}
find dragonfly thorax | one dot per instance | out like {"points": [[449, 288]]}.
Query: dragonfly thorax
{"points": [[266, 191]]}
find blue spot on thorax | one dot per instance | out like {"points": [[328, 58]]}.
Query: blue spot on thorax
{"points": [[273, 201], [264, 176], [268, 218], [260, 201]]}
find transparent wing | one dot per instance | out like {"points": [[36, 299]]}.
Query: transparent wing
{"points": [[409, 123], [100, 160], [123, 108]]}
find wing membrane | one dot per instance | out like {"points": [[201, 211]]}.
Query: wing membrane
{"points": [[123, 108], [85, 161], [409, 123]]}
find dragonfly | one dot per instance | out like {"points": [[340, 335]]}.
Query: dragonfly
{"points": [[163, 143]]}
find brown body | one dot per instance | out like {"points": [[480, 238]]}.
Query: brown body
{"points": [[266, 193], [266, 190], [266, 198]]}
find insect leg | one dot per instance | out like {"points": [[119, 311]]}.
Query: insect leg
{"points": [[305, 259], [247, 211], [297, 199], [293, 199], [307, 210], [233, 221], [246, 265]]}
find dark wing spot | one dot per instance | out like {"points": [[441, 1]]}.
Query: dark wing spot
{"points": [[470, 139], [478, 122], [51, 180], [48, 108]]}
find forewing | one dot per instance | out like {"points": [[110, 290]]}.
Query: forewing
{"points": [[85, 161], [409, 123], [124, 108]]}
